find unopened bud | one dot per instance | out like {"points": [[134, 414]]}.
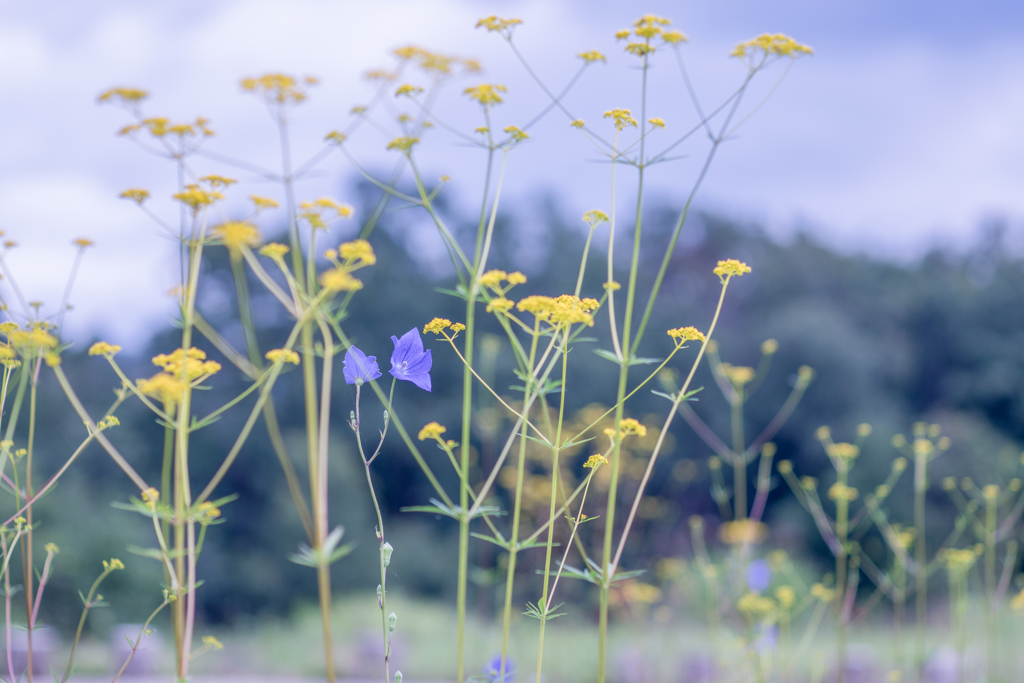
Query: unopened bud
{"points": [[392, 620], [398, 677], [385, 554]]}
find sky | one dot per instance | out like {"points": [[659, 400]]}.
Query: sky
{"points": [[901, 133]]}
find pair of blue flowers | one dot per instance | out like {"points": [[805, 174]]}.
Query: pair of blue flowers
{"points": [[409, 362]]}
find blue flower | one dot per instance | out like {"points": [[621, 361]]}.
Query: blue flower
{"points": [[492, 670], [409, 361], [759, 576], [359, 367]]}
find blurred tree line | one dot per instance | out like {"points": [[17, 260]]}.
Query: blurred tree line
{"points": [[941, 340]]}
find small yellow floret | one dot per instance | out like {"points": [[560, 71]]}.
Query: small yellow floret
{"points": [[236, 234], [102, 348], [437, 325], [283, 356], [339, 280], [493, 278], [136, 195], [656, 123], [620, 117], [486, 94], [594, 461], [592, 56], [358, 250], [113, 565], [500, 304], [431, 430], [262, 203], [685, 334], [212, 643], [515, 278], [403, 144], [274, 250], [517, 134], [577, 123], [730, 267]]}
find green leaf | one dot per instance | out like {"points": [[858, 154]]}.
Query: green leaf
{"points": [[491, 539], [607, 355]]}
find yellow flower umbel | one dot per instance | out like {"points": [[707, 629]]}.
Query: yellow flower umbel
{"points": [[197, 198], [236, 234], [432, 430], [340, 280], [730, 267], [486, 94], [650, 30], [681, 335], [495, 24], [102, 348], [742, 532], [33, 342], [357, 253], [181, 369], [439, 325], [769, 45], [320, 213], [136, 195], [279, 89], [620, 117], [283, 356], [404, 143]]}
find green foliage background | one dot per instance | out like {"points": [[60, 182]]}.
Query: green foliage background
{"points": [[939, 340]]}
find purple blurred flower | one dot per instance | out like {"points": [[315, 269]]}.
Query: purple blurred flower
{"points": [[359, 367], [759, 576], [409, 361], [492, 670]]}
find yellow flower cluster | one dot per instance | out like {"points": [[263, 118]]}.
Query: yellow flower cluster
{"points": [[840, 491], [51, 548], [500, 304], [621, 118], [358, 250], [592, 56], [486, 94], [562, 310], [279, 88], [754, 606], [236, 234], [166, 388], [768, 44], [726, 269], [738, 375], [161, 126], [263, 203], [595, 461], [842, 450], [439, 325], [433, 62], [188, 365], [497, 25], [742, 532], [685, 334], [195, 197], [656, 123], [112, 565], [102, 348], [517, 134], [595, 217], [32, 342], [786, 596], [647, 28], [577, 123], [822, 593], [432, 430], [150, 496], [340, 280], [136, 195], [404, 143], [323, 211], [212, 643], [274, 250], [337, 137], [283, 356], [959, 560], [627, 427], [207, 512], [123, 96]]}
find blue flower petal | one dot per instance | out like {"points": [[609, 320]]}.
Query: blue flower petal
{"points": [[409, 362], [358, 367]]}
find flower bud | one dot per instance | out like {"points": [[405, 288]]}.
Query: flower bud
{"points": [[385, 554], [380, 593], [392, 620], [398, 677]]}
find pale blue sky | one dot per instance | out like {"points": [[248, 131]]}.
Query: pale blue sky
{"points": [[904, 130]]}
